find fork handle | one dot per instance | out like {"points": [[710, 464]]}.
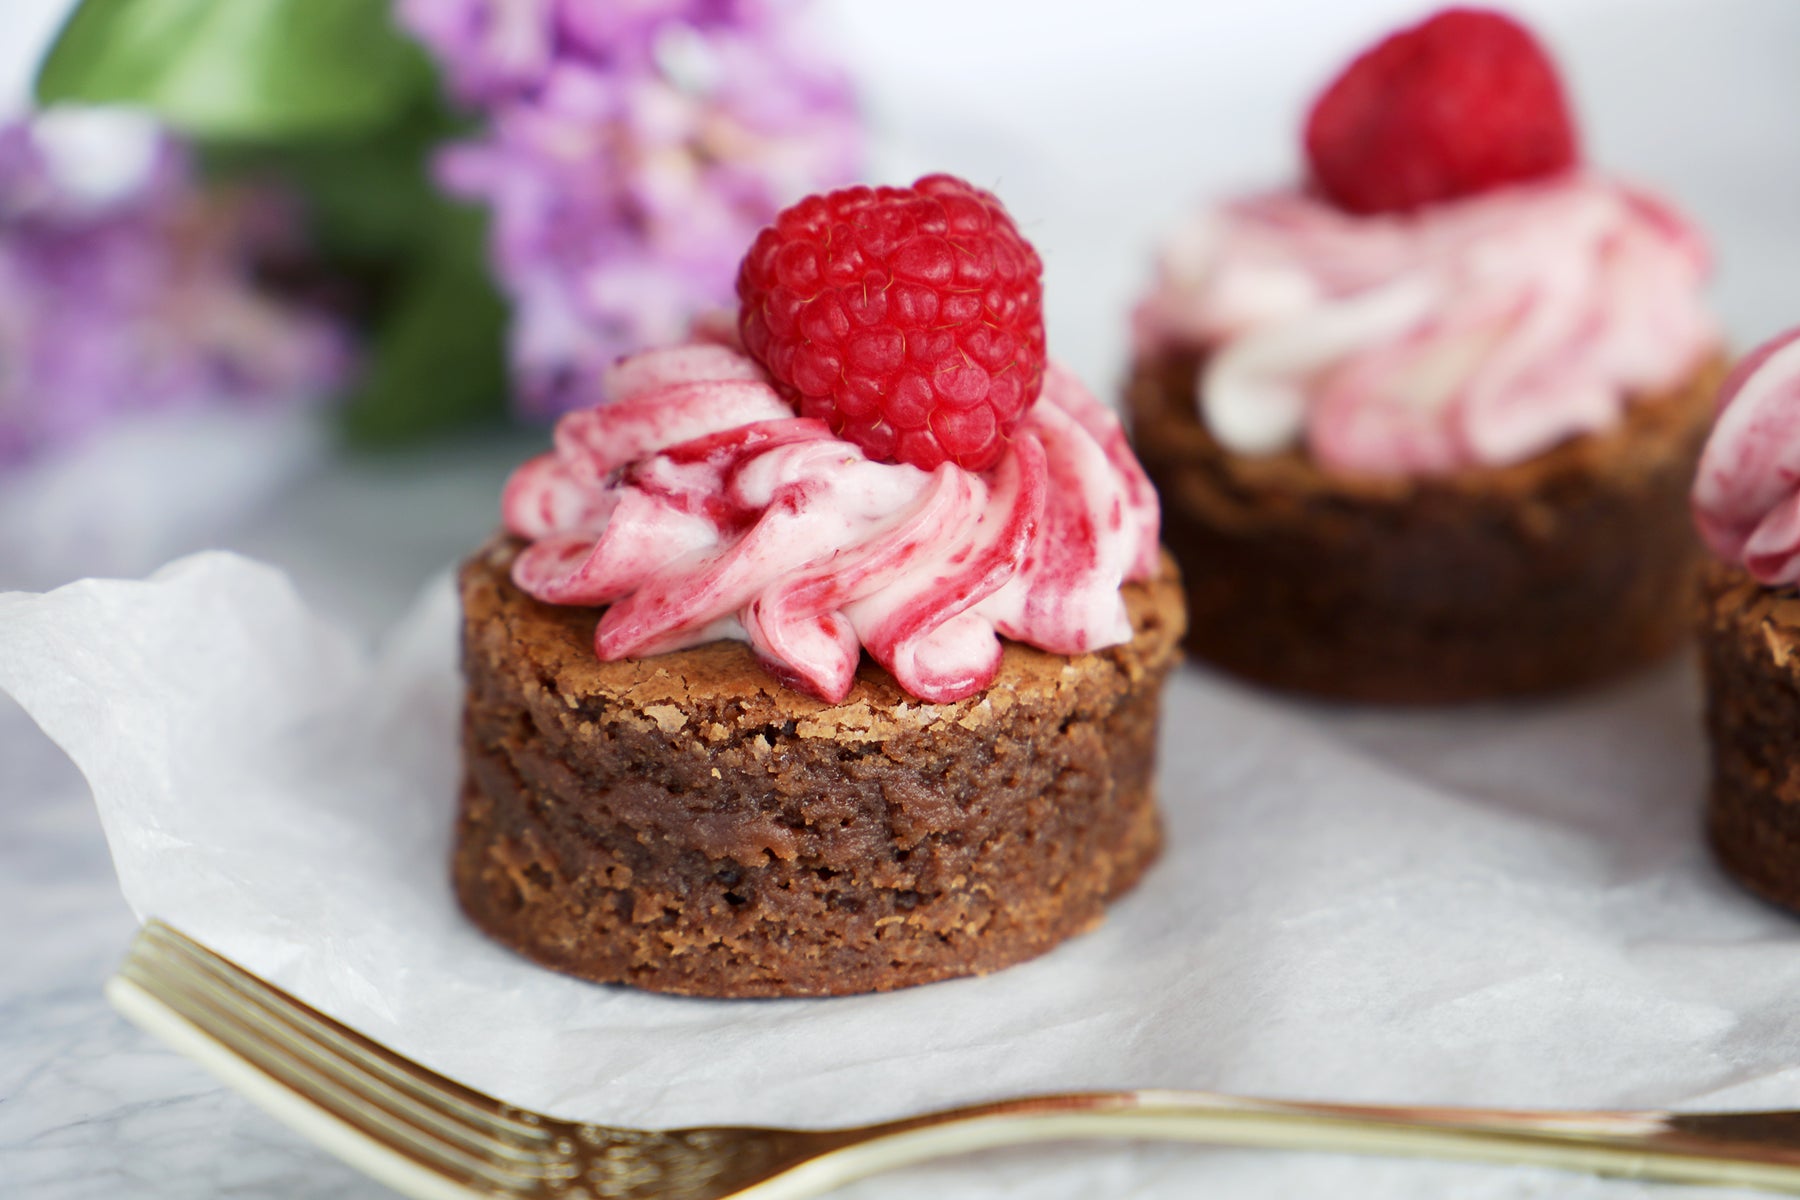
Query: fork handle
{"points": [[1757, 1150]]}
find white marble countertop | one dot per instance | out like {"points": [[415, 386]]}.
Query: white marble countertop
{"points": [[89, 1106]]}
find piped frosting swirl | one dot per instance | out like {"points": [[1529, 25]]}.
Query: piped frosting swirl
{"points": [[695, 505], [1475, 332], [1746, 494]]}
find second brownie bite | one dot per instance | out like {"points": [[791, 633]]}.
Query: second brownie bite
{"points": [[1569, 568], [1422, 425]]}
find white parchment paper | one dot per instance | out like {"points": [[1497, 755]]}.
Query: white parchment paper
{"points": [[1496, 906]]}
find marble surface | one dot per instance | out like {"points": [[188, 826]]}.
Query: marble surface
{"points": [[90, 1107]]}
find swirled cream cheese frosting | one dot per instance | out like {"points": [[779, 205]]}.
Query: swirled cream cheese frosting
{"points": [[1474, 332], [1747, 492], [695, 505]]}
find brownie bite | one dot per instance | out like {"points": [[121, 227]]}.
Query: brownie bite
{"points": [[1750, 649], [686, 823], [1746, 497], [1571, 567], [1423, 421], [825, 658]]}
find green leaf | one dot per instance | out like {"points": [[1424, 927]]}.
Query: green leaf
{"points": [[239, 69], [327, 98], [367, 200], [437, 359]]}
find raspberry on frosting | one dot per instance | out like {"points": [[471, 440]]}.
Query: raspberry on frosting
{"points": [[909, 320], [1451, 291], [1466, 101], [1747, 491], [943, 485]]}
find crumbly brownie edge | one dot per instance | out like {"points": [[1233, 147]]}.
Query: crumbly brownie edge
{"points": [[1750, 651], [683, 824], [1568, 569]]}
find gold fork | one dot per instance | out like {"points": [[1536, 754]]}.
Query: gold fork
{"points": [[431, 1138]]}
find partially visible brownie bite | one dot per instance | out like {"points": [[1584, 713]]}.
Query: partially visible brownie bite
{"points": [[1746, 501], [1750, 648], [829, 662], [1422, 427]]}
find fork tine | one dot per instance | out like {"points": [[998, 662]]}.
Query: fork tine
{"points": [[340, 1111], [413, 1164], [460, 1112], [296, 1054], [357, 1111], [480, 1111]]}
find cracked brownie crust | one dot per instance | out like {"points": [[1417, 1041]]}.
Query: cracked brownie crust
{"points": [[1750, 648], [1569, 568], [684, 823]]}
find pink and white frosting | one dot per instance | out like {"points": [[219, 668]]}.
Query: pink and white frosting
{"points": [[1747, 493], [1476, 332], [697, 506]]}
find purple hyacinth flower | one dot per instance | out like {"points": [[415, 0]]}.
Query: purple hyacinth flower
{"points": [[632, 151], [130, 290]]}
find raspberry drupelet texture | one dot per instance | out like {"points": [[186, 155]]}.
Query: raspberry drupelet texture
{"points": [[1466, 101], [908, 319]]}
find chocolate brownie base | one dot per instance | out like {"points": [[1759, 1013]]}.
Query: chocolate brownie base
{"points": [[1750, 648], [1575, 566], [684, 823]]}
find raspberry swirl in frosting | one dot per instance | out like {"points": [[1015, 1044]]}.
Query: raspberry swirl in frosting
{"points": [[697, 506], [1747, 492], [1479, 331]]}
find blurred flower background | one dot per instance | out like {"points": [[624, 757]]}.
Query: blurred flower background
{"points": [[137, 294], [373, 245], [615, 158], [418, 212]]}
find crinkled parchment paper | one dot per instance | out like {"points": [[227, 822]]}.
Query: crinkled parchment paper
{"points": [[1497, 906]]}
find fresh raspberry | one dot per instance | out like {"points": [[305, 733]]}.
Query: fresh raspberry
{"points": [[1466, 101], [911, 320]]}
